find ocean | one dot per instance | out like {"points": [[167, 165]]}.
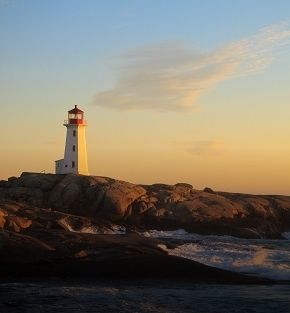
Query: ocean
{"points": [[259, 257], [142, 296]]}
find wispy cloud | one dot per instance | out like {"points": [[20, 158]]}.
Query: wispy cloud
{"points": [[172, 76], [206, 148]]}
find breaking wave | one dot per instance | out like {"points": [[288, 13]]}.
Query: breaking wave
{"points": [[286, 235], [91, 229], [260, 257]]}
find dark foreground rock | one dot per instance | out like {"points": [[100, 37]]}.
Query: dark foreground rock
{"points": [[100, 201], [62, 254]]}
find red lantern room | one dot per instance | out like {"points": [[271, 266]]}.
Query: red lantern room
{"points": [[76, 116]]}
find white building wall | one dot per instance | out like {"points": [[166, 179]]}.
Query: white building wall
{"points": [[82, 161], [70, 155], [77, 155], [59, 166]]}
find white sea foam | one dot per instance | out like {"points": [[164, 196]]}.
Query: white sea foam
{"points": [[118, 230], [174, 234], [112, 230], [91, 229], [286, 235], [261, 257]]}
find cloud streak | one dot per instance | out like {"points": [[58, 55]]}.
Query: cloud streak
{"points": [[172, 76], [206, 148]]}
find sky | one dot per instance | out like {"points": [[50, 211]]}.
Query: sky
{"points": [[173, 90]]}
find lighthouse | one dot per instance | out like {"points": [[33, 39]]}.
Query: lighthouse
{"points": [[75, 154]]}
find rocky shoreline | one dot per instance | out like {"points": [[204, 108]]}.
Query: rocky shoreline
{"points": [[92, 201], [65, 255], [87, 227]]}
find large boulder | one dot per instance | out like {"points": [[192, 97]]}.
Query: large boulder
{"points": [[44, 182], [33, 196], [117, 199], [3, 215], [66, 193]]}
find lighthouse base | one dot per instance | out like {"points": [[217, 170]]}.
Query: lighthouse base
{"points": [[62, 168], [59, 166]]}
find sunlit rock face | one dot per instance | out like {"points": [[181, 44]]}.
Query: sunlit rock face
{"points": [[105, 201]]}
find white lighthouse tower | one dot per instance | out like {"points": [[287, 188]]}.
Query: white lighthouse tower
{"points": [[75, 154]]}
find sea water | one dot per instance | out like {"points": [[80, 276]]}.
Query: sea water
{"points": [[260, 257], [142, 297]]}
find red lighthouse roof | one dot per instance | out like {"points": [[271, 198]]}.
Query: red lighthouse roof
{"points": [[75, 117], [76, 110]]}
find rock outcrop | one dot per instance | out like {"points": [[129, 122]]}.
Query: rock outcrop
{"points": [[47, 200], [49, 254]]}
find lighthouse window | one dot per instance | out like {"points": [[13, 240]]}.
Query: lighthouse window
{"points": [[74, 133], [71, 116], [73, 164], [74, 148]]}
